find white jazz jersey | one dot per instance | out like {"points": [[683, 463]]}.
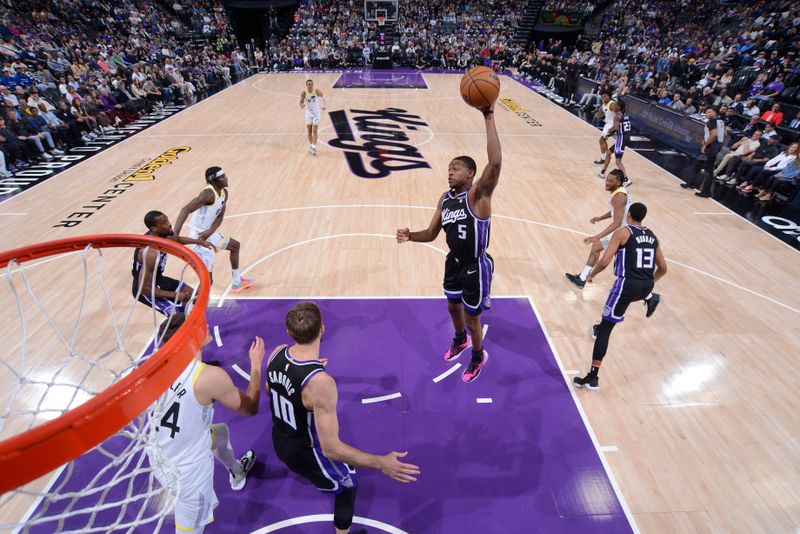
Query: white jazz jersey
{"points": [[628, 202], [204, 217], [184, 425], [312, 107], [609, 114]]}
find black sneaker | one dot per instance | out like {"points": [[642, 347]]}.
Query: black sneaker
{"points": [[575, 279], [588, 381], [652, 304], [687, 186], [594, 330], [702, 194], [626, 182], [599, 161]]}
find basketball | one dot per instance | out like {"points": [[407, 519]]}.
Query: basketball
{"points": [[480, 86]]}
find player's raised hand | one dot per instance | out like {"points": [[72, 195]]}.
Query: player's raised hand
{"points": [[403, 235], [392, 467], [185, 295], [256, 352]]}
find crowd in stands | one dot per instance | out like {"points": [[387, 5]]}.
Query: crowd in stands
{"points": [[427, 34], [583, 7], [741, 61], [76, 69]]}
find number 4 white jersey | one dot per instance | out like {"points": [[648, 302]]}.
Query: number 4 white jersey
{"points": [[184, 425]]}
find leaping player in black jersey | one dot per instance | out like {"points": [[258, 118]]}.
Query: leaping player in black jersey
{"points": [[638, 265], [167, 295], [465, 212], [305, 427]]}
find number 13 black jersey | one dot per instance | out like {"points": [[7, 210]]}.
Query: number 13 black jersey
{"points": [[636, 259], [292, 424], [467, 234]]}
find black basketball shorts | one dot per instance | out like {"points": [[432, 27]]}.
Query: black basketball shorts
{"points": [[469, 282]]}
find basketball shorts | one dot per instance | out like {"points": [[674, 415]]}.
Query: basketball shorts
{"points": [[619, 146], [217, 239], [607, 130], [309, 462], [470, 282], [623, 292], [312, 118], [162, 305], [196, 501]]}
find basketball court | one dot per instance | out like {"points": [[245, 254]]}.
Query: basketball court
{"points": [[690, 430]]}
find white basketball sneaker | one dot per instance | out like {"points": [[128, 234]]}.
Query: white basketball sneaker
{"points": [[247, 462]]}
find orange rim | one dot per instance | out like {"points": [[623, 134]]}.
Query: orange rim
{"points": [[43, 448]]}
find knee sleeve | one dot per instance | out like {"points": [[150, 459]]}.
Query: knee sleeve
{"points": [[344, 508]]}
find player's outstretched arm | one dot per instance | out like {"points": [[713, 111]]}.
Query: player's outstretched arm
{"points": [[491, 173], [617, 240], [205, 197], [215, 384], [618, 205], [661, 264], [427, 235], [322, 395]]}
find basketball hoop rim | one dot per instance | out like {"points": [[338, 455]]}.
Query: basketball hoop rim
{"points": [[42, 449]]}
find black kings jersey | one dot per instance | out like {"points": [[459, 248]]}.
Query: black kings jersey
{"points": [[161, 264], [636, 259], [292, 424], [625, 128], [467, 235]]}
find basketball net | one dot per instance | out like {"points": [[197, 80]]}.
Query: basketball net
{"points": [[75, 342], [381, 20]]}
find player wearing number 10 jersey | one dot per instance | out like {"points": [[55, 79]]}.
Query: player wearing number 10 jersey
{"points": [[638, 265], [187, 442], [305, 427]]}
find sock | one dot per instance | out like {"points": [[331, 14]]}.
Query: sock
{"points": [[585, 272], [477, 356], [237, 279], [648, 297], [314, 146], [602, 157], [461, 337], [221, 447], [594, 370]]}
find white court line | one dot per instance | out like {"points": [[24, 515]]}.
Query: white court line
{"points": [[241, 372], [446, 373], [712, 213], [431, 133], [484, 400], [485, 329], [10, 213], [586, 422], [327, 518], [217, 338], [373, 400], [572, 372], [519, 219], [609, 448]]}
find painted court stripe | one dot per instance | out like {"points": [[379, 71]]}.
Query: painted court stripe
{"points": [[609, 448], [241, 372], [484, 400], [713, 213], [446, 373], [571, 372], [328, 518], [217, 338], [589, 429], [485, 329], [373, 400]]}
